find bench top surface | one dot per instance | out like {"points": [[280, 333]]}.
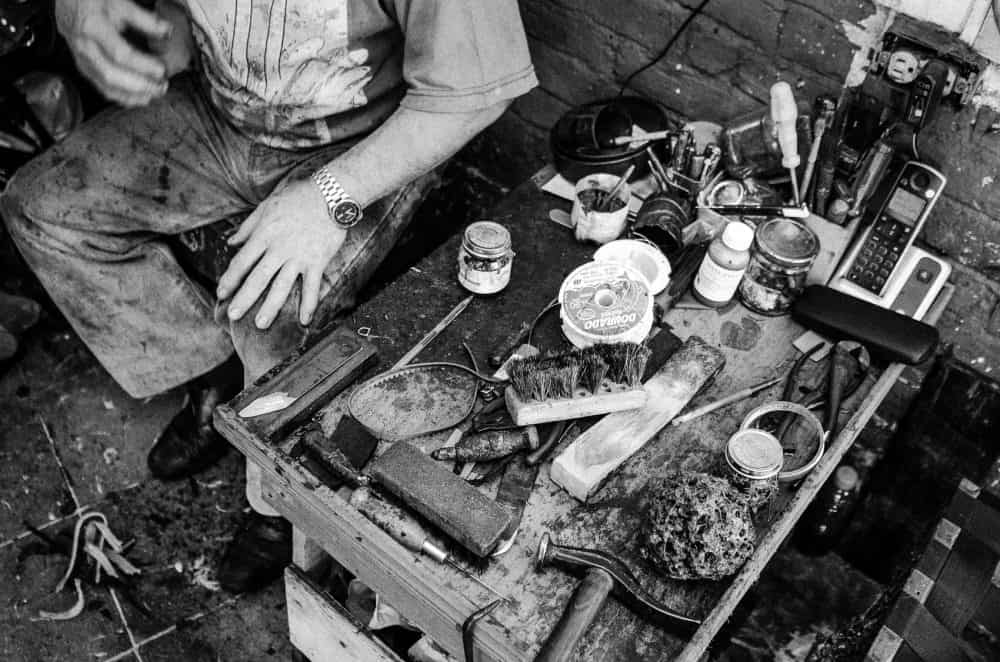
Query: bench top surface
{"points": [[755, 347]]}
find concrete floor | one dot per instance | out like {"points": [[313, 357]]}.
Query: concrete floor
{"points": [[60, 408]]}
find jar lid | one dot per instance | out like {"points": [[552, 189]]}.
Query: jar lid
{"points": [[788, 241], [737, 235], [487, 238], [754, 453]]}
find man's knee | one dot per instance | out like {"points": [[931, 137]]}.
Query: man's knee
{"points": [[31, 191]]}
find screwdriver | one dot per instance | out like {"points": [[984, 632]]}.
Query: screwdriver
{"points": [[407, 531], [785, 114]]}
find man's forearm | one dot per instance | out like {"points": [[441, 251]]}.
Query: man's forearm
{"points": [[407, 145]]}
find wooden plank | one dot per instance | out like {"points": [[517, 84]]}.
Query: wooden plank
{"points": [[323, 630], [586, 463], [776, 534]]}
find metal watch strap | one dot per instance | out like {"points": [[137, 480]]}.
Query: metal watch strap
{"points": [[336, 197]]}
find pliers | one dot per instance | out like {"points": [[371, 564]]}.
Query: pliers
{"points": [[849, 364]]}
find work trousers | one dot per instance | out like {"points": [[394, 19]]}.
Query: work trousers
{"points": [[91, 216]]}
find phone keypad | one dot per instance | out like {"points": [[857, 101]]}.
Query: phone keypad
{"points": [[879, 254]]}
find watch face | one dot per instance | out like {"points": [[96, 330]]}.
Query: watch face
{"points": [[347, 213]]}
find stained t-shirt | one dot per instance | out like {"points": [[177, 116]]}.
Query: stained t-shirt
{"points": [[303, 73]]}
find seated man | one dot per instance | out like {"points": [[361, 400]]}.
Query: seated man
{"points": [[299, 115]]}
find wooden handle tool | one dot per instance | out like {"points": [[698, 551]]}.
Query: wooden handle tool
{"points": [[405, 530], [602, 574], [576, 619]]}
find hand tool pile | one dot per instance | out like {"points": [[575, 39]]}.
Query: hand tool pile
{"points": [[591, 408], [531, 406]]}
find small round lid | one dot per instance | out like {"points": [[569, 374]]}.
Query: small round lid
{"points": [[488, 238], [755, 453], [738, 236], [845, 478], [788, 241]]}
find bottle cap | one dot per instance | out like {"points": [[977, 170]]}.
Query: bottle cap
{"points": [[738, 236], [754, 453], [846, 478], [487, 238], [788, 242]]}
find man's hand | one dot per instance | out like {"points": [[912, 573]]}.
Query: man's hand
{"points": [[289, 235], [95, 31]]}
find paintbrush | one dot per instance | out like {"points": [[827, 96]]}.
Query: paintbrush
{"points": [[605, 204], [586, 382]]}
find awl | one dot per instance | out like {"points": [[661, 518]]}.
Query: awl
{"points": [[407, 531]]}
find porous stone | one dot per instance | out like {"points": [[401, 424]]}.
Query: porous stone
{"points": [[698, 527]]}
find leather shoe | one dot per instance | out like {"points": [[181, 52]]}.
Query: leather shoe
{"points": [[257, 555], [190, 443]]}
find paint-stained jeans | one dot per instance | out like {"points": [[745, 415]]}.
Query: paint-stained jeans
{"points": [[90, 216]]}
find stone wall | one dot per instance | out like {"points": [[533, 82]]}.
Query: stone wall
{"points": [[722, 67]]}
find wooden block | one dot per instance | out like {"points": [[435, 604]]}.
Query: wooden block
{"points": [[614, 398], [313, 376], [460, 510], [323, 630], [584, 465], [306, 553]]}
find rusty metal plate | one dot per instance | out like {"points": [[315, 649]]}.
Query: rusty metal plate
{"points": [[413, 400]]}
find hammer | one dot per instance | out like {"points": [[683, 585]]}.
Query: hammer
{"points": [[602, 574]]}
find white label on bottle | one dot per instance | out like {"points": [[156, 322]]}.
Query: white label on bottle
{"points": [[716, 283]]}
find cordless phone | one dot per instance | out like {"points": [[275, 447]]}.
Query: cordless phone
{"points": [[883, 267]]}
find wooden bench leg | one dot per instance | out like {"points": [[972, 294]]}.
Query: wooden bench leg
{"points": [[306, 554], [322, 630]]}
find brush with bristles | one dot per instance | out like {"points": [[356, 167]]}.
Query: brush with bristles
{"points": [[587, 382]]}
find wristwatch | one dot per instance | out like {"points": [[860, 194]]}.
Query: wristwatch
{"points": [[344, 210]]}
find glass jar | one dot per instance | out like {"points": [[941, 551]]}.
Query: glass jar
{"points": [[754, 458], [750, 145], [485, 258], [782, 253]]}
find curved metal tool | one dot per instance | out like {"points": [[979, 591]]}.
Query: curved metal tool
{"points": [[603, 574], [469, 628]]}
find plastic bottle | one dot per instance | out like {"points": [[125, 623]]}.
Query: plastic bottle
{"points": [[827, 517], [723, 266]]}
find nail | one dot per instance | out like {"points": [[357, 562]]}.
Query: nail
{"points": [[261, 322], [235, 313]]}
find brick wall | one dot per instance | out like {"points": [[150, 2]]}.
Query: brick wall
{"points": [[722, 67]]}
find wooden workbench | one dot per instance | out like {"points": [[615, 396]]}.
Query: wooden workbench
{"points": [[437, 598]]}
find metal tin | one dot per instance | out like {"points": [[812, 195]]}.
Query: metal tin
{"points": [[783, 251], [485, 258], [754, 458]]}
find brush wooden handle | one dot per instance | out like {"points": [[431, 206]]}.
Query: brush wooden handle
{"points": [[548, 411]]}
